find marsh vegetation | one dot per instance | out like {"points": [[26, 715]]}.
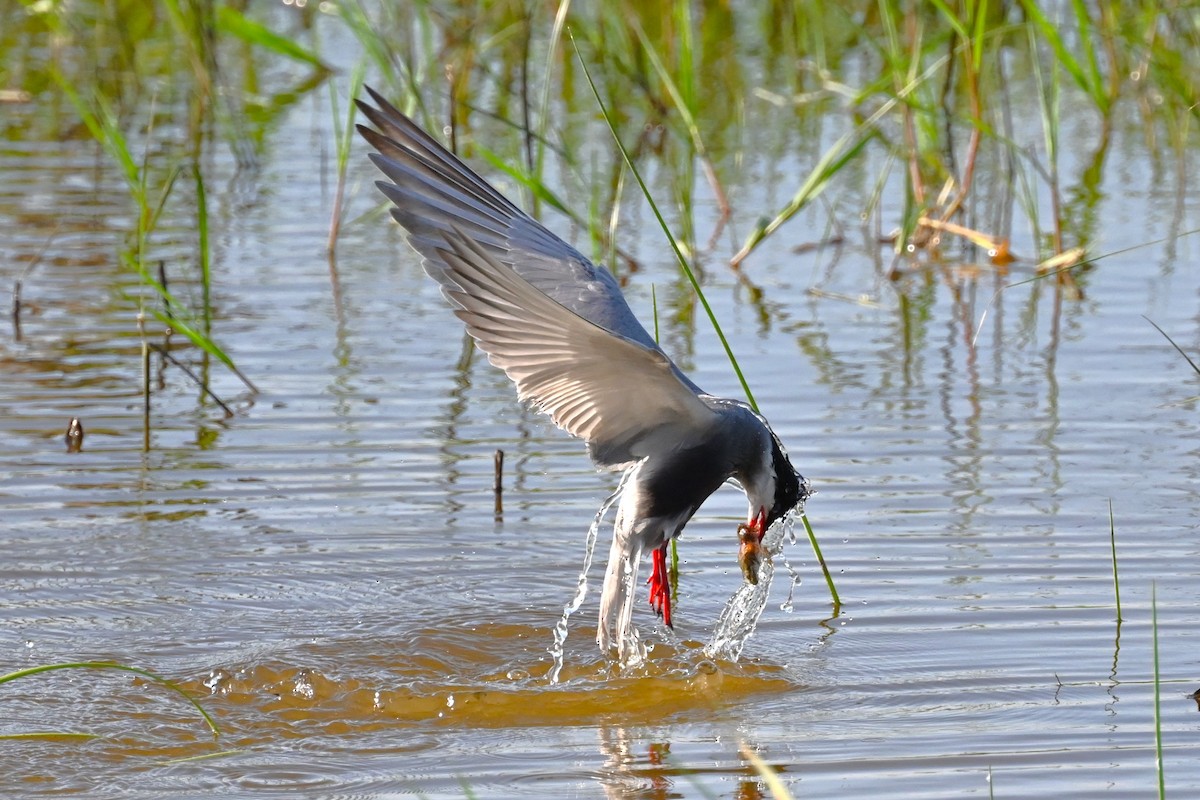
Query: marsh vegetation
{"points": [[949, 248]]}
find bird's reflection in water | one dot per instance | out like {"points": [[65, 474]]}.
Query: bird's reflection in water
{"points": [[637, 767], [625, 774]]}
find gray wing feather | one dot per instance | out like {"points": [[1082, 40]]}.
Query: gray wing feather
{"points": [[433, 190], [557, 324], [618, 395]]}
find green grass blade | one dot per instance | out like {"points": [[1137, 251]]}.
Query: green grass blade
{"points": [[1158, 753], [235, 23], [1090, 81], [952, 19], [844, 151], [687, 270], [816, 548], [101, 123], [206, 344], [204, 254], [1049, 92], [687, 54], [1112, 537], [176, 317], [108, 665], [202, 757], [343, 137], [560, 22], [154, 213], [531, 182], [1186, 357], [678, 94], [1086, 40], [683, 263], [977, 40]]}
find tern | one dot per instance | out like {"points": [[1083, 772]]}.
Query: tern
{"points": [[560, 328]]}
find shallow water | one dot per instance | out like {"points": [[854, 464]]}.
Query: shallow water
{"points": [[326, 569]]}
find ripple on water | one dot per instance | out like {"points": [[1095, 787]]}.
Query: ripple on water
{"points": [[441, 678]]}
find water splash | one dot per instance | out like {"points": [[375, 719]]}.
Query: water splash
{"points": [[740, 616], [631, 652], [556, 649], [793, 576]]}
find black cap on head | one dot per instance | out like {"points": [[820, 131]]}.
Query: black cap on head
{"points": [[790, 487]]}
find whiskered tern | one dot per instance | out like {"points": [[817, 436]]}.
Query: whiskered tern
{"points": [[560, 328]]}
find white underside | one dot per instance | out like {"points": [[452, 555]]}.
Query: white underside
{"points": [[633, 534]]}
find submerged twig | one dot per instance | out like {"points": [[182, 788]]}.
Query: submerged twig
{"points": [[498, 482], [18, 284]]}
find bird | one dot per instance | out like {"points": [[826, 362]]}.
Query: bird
{"points": [[560, 327]]}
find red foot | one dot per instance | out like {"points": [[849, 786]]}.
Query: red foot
{"points": [[660, 587]]}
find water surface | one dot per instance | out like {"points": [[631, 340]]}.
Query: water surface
{"points": [[327, 571]]}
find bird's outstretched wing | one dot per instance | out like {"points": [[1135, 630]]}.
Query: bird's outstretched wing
{"points": [[619, 396], [433, 189], [554, 322]]}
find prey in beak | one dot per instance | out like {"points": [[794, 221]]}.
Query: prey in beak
{"points": [[751, 553]]}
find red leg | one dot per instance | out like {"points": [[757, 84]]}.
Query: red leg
{"points": [[660, 586]]}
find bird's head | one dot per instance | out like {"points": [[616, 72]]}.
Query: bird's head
{"points": [[773, 489]]}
